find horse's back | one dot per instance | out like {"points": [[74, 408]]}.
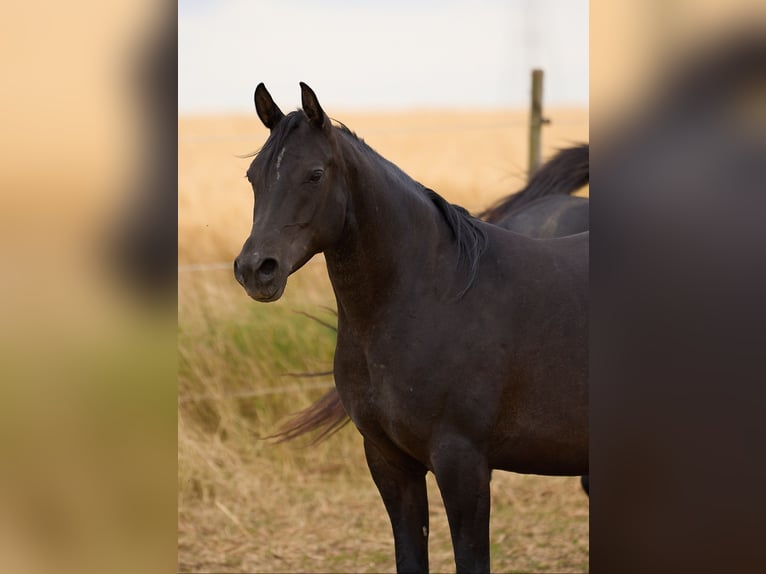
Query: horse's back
{"points": [[552, 216], [514, 261]]}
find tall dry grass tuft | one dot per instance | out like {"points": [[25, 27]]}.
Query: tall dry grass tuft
{"points": [[246, 504]]}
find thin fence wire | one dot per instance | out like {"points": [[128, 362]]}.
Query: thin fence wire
{"points": [[258, 392], [219, 266]]}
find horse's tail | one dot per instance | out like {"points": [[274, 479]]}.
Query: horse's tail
{"points": [[563, 174], [326, 415]]}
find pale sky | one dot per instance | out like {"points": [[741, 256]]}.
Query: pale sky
{"points": [[393, 54]]}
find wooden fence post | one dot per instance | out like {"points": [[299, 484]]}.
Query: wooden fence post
{"points": [[536, 121]]}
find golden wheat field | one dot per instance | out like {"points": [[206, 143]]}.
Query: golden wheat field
{"points": [[246, 504]]}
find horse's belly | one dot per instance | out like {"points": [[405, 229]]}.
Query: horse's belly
{"points": [[564, 454]]}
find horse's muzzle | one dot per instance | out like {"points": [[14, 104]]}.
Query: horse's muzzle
{"points": [[260, 276]]}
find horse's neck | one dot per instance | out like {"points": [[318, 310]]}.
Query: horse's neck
{"points": [[391, 228]]}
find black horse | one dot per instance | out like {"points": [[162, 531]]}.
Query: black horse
{"points": [[462, 347], [544, 208]]}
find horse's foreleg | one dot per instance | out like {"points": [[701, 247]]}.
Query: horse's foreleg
{"points": [[402, 485], [463, 474]]}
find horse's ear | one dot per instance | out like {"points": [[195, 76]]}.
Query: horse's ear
{"points": [[268, 111], [311, 107]]}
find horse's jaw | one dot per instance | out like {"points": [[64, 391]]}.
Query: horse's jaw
{"points": [[267, 298], [274, 293]]}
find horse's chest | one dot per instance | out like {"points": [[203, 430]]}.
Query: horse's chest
{"points": [[383, 402], [377, 391]]}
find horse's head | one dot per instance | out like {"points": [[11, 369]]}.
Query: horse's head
{"points": [[300, 200]]}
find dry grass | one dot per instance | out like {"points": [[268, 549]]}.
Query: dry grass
{"points": [[247, 505]]}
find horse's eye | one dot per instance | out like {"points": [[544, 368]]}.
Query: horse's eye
{"points": [[316, 175]]}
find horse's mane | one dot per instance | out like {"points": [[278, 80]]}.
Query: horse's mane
{"points": [[471, 239], [565, 173]]}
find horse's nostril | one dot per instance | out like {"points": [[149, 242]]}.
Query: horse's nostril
{"points": [[267, 269]]}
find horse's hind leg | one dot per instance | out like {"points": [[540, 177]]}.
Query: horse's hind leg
{"points": [[463, 474], [402, 485]]}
